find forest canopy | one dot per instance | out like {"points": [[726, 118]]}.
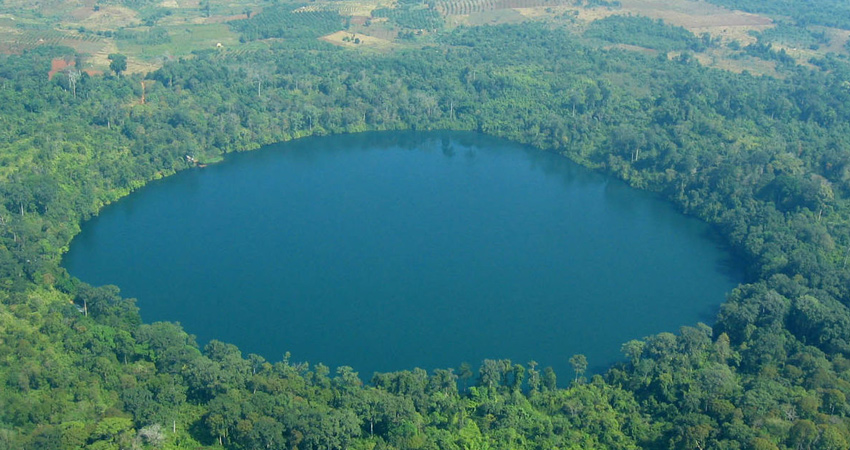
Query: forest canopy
{"points": [[764, 159]]}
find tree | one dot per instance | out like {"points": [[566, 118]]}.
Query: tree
{"points": [[113, 430], [106, 304], [257, 74], [803, 434], [831, 438], [490, 373], [464, 372], [633, 350], [533, 376], [443, 380], [118, 63], [518, 377], [266, 433], [347, 378], [152, 435], [73, 77], [579, 363], [550, 379]]}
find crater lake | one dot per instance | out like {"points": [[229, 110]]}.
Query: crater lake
{"points": [[394, 250]]}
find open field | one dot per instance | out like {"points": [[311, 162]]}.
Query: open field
{"points": [[15, 40], [697, 17], [111, 18], [184, 40], [86, 26], [358, 40], [701, 17], [489, 17], [837, 40], [722, 59]]}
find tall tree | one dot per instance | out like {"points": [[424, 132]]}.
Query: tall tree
{"points": [[579, 363], [117, 63]]}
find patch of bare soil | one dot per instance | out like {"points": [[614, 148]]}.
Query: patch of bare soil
{"points": [[111, 18], [357, 40], [80, 14]]}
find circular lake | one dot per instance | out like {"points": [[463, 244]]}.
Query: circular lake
{"points": [[389, 251]]}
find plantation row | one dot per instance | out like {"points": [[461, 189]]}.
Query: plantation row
{"points": [[463, 7], [29, 39], [283, 22], [348, 10], [83, 37], [417, 19]]}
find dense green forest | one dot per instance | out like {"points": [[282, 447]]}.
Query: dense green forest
{"points": [[765, 160]]}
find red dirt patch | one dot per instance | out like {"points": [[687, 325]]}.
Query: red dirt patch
{"points": [[60, 64], [57, 65]]}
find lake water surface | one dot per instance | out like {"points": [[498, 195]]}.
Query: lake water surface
{"points": [[388, 251]]}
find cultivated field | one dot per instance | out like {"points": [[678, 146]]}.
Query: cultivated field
{"points": [[88, 27]]}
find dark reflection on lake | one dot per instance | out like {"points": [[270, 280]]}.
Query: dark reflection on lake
{"points": [[398, 250]]}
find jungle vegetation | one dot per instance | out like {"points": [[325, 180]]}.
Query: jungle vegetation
{"points": [[766, 160]]}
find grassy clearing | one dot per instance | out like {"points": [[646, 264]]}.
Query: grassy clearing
{"points": [[100, 60], [53, 9], [495, 17], [379, 27], [357, 8], [80, 14], [545, 12], [728, 25], [697, 17], [727, 60], [347, 39], [837, 40], [633, 48], [25, 25], [184, 40], [111, 18]]}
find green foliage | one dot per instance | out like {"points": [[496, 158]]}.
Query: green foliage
{"points": [[766, 51], [412, 15], [831, 13], [763, 160], [288, 22], [152, 36], [643, 32], [117, 63], [786, 34]]}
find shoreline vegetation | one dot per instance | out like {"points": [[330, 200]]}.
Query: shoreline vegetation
{"points": [[764, 160], [406, 294]]}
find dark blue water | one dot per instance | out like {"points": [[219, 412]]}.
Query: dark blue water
{"points": [[398, 250]]}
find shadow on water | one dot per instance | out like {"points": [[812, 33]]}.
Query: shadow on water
{"points": [[447, 148], [729, 264]]}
